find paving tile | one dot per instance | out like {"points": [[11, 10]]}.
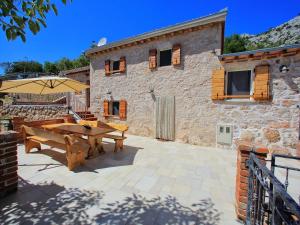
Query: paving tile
{"points": [[150, 182]]}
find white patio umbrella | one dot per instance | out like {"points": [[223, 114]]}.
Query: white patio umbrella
{"points": [[42, 85]]}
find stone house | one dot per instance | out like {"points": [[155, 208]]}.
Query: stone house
{"points": [[79, 99], [175, 84]]}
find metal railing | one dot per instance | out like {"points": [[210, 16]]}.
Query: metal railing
{"points": [[268, 200], [77, 105]]}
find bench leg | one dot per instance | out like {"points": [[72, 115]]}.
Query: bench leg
{"points": [[71, 159], [118, 145], [81, 158], [29, 144]]}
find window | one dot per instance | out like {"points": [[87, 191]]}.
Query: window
{"points": [[116, 65], [165, 58], [114, 108], [239, 83]]}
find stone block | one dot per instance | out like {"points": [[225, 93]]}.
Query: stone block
{"points": [[272, 135]]}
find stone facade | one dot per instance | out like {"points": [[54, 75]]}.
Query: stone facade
{"points": [[30, 112], [189, 83], [274, 123]]}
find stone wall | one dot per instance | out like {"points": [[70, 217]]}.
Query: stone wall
{"points": [[274, 123], [189, 83], [34, 112]]}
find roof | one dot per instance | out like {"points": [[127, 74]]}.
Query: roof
{"points": [[286, 50], [76, 70], [212, 18]]}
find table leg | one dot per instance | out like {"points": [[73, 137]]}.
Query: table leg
{"points": [[100, 145], [92, 141]]}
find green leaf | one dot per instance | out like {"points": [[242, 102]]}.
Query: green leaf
{"points": [[24, 6], [37, 26], [18, 20], [8, 34], [32, 26], [23, 37], [42, 22], [54, 9], [64, 1]]}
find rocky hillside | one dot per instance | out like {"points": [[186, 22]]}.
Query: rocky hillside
{"points": [[287, 33]]}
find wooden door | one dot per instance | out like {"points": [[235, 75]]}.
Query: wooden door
{"points": [[165, 118]]}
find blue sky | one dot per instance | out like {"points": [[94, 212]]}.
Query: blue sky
{"points": [[83, 21]]}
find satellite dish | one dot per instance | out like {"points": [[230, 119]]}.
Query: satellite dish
{"points": [[102, 42]]}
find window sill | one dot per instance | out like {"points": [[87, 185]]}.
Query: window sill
{"points": [[112, 117], [239, 100], [115, 72]]}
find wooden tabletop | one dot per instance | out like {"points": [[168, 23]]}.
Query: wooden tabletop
{"points": [[78, 129]]}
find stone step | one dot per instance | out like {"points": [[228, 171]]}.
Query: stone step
{"points": [[83, 112], [87, 115], [91, 119]]}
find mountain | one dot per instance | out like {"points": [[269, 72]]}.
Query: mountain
{"points": [[284, 34]]}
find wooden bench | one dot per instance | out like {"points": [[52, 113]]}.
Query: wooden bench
{"points": [[119, 127], [75, 147], [118, 140]]}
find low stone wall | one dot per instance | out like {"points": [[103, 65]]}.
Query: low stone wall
{"points": [[37, 112]]}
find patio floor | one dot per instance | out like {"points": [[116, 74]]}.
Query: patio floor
{"points": [[150, 182]]}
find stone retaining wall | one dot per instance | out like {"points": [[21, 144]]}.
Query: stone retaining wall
{"points": [[37, 112]]}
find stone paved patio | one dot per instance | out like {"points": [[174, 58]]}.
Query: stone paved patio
{"points": [[150, 182]]}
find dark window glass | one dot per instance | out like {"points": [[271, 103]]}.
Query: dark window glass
{"points": [[116, 65], [238, 83], [115, 108], [165, 58]]}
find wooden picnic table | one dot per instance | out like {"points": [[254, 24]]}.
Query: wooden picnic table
{"points": [[93, 134]]}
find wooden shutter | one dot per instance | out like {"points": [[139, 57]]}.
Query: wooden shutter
{"points": [[218, 83], [176, 52], [122, 64], [107, 67], [261, 83], [105, 108], [123, 109], [152, 59]]}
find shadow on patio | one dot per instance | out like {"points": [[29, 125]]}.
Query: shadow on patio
{"points": [[74, 206], [109, 159]]}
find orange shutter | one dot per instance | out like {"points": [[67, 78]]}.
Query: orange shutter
{"points": [[261, 83], [107, 67], [176, 51], [218, 81], [152, 59], [122, 64], [122, 109], [105, 107]]}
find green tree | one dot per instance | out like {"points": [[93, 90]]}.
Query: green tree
{"points": [[235, 43], [81, 61], [64, 64], [17, 15], [50, 67], [24, 66]]}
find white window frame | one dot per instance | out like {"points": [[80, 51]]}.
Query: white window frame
{"points": [[252, 77]]}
